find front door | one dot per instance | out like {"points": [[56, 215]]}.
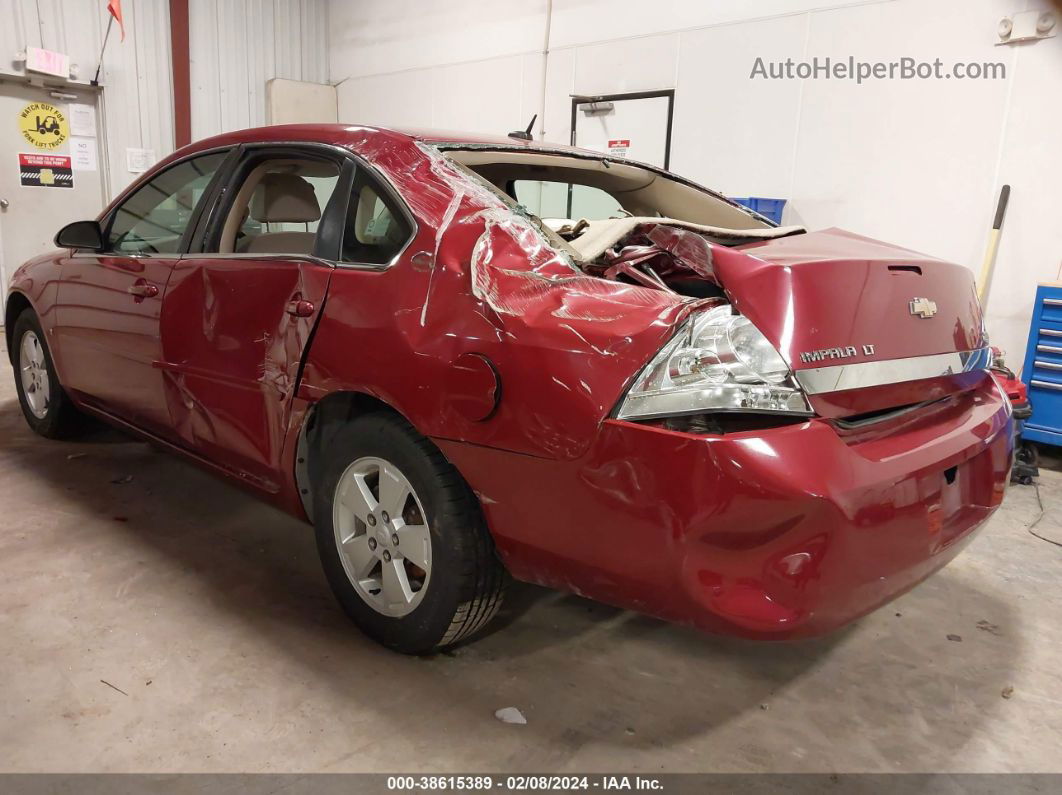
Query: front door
{"points": [[109, 303], [49, 169], [238, 316]]}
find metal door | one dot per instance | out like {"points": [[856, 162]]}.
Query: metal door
{"points": [[635, 126], [48, 177]]}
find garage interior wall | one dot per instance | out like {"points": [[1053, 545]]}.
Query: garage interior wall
{"points": [[137, 104], [228, 63], [237, 46], [915, 162]]}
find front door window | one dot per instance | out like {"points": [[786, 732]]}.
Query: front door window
{"points": [[155, 217]]}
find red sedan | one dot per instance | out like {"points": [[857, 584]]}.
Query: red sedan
{"points": [[467, 358]]}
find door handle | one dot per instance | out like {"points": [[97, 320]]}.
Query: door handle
{"points": [[300, 308], [142, 290]]}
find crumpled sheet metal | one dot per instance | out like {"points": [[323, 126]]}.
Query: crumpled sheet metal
{"points": [[670, 252], [205, 321], [487, 282]]}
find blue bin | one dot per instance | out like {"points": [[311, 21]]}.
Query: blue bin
{"points": [[771, 208]]}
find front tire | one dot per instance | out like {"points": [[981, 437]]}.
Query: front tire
{"points": [[402, 540], [45, 404]]}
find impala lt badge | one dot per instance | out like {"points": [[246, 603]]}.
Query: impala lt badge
{"points": [[923, 307], [836, 353]]}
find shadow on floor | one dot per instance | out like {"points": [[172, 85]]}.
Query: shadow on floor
{"points": [[584, 672]]}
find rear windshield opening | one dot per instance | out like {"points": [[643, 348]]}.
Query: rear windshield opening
{"points": [[616, 219]]}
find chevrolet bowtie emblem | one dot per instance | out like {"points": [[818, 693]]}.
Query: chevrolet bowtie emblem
{"points": [[923, 307]]}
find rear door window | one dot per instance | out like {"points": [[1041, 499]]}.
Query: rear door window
{"points": [[376, 229], [278, 206]]}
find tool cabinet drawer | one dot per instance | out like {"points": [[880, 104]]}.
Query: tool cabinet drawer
{"points": [[1042, 369]]}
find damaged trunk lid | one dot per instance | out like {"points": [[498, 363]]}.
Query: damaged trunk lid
{"points": [[866, 326]]}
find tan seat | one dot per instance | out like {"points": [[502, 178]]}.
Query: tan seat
{"points": [[283, 199]]}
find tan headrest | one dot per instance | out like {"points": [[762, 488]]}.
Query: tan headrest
{"points": [[284, 198], [363, 228]]}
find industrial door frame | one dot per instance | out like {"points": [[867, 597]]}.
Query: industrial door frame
{"points": [[668, 92]]}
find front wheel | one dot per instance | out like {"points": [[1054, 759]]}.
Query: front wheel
{"points": [[402, 540], [45, 405]]}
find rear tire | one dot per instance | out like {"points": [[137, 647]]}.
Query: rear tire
{"points": [[402, 540], [45, 405]]}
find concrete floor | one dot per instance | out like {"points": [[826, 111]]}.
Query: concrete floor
{"points": [[209, 611]]}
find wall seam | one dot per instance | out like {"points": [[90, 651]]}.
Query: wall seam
{"points": [[799, 115]]}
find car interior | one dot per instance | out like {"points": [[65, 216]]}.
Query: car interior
{"points": [[376, 229], [591, 203], [278, 207]]}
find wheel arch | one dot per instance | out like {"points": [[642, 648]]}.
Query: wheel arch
{"points": [[17, 303], [319, 424]]}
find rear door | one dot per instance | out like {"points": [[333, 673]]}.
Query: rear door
{"points": [[109, 303], [238, 314]]}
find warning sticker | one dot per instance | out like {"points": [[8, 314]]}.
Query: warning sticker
{"points": [[43, 125], [45, 171], [618, 147]]}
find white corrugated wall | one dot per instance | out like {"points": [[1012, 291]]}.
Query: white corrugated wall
{"points": [[236, 46]]}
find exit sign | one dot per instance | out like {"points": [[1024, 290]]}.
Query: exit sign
{"points": [[47, 62]]}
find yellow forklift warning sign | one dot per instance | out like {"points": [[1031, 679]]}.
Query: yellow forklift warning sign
{"points": [[43, 125]]}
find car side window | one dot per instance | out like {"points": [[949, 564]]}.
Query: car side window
{"points": [[155, 216], [376, 228], [278, 206]]}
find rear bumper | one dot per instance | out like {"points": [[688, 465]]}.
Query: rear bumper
{"points": [[774, 534]]}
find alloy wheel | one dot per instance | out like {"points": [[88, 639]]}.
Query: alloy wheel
{"points": [[34, 372], [381, 532]]}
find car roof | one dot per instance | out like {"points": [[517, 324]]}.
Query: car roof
{"points": [[339, 133]]}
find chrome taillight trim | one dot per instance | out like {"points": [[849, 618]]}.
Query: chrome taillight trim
{"points": [[822, 380]]}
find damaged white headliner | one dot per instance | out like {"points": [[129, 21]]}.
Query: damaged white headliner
{"points": [[602, 235]]}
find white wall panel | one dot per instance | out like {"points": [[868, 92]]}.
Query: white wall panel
{"points": [[556, 125], [204, 69], [606, 68], [239, 45], [731, 133], [396, 100], [381, 36], [494, 96], [578, 22], [487, 92]]}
